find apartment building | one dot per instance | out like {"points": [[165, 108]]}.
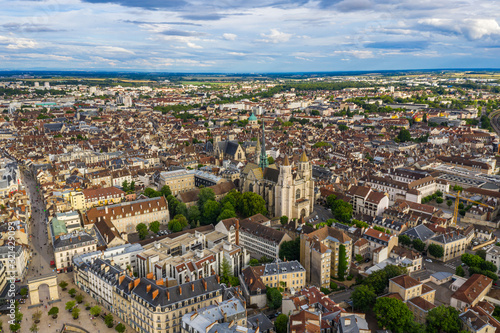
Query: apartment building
{"points": [[380, 244], [479, 319], [403, 189], [123, 256], [120, 176], [126, 216], [69, 245], [103, 196], [453, 244], [471, 292], [418, 296], [493, 255], [366, 201], [315, 248], [195, 263], [232, 311], [18, 268], [255, 280], [98, 279], [202, 178], [149, 306], [77, 200], [100, 178], [179, 181], [251, 233]]}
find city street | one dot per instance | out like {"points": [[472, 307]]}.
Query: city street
{"points": [[42, 252], [342, 296]]}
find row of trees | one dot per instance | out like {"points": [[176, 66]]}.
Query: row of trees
{"points": [[478, 265], [417, 244]]}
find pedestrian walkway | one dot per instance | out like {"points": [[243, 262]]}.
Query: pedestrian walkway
{"points": [[49, 325]]}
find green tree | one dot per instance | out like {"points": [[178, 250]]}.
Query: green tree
{"points": [[443, 319], [72, 292], [154, 226], [270, 159], [79, 298], [108, 320], [393, 314], [34, 328], [290, 250], [227, 211], [120, 328], [194, 214], [481, 254], [404, 239], [363, 298], [418, 245], [15, 327], [439, 200], [340, 209], [205, 194], [460, 271], [23, 292], [178, 223], [125, 186], [436, 251], [53, 312], [281, 323], [131, 187], [37, 316], [284, 220], [211, 210], [95, 310], [70, 305], [181, 209], [449, 203], [165, 191], [404, 135], [342, 262], [142, 230], [63, 285], [359, 258], [251, 203], [75, 313], [274, 298], [254, 262]]}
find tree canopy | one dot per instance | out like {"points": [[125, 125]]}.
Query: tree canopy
{"points": [[443, 319], [393, 314], [363, 298]]}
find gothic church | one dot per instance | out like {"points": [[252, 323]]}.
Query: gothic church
{"points": [[287, 192]]}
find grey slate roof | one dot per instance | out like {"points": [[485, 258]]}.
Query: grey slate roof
{"points": [[420, 231]]}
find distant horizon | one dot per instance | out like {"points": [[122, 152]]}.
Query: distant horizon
{"points": [[237, 36], [325, 73]]}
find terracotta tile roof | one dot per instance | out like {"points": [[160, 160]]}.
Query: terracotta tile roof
{"points": [[326, 231], [472, 288], [406, 281], [422, 303]]}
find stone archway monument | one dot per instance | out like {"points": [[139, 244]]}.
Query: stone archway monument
{"points": [[36, 282]]}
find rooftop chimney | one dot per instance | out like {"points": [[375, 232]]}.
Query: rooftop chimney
{"points": [[168, 295], [180, 290]]}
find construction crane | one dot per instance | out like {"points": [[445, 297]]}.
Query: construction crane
{"points": [[457, 203]]}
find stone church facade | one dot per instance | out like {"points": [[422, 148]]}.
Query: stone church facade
{"points": [[287, 189]]}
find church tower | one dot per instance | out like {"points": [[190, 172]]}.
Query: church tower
{"points": [[257, 152], [284, 190], [305, 169], [263, 161], [305, 173]]}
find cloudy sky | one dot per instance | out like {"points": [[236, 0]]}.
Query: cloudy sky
{"points": [[249, 35]]}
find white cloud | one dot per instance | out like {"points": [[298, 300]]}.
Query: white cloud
{"points": [[14, 43], [472, 29], [114, 49], [275, 37], [360, 54], [194, 46], [228, 36], [237, 53]]}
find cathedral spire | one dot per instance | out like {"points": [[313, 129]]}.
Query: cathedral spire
{"points": [[263, 162], [257, 152]]}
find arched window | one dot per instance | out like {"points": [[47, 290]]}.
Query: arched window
{"points": [[297, 194], [250, 187]]}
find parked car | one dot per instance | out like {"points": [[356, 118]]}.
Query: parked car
{"points": [[428, 260]]}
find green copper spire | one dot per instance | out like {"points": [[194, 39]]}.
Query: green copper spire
{"points": [[263, 163]]}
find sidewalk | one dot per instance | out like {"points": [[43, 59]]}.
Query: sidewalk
{"points": [[92, 325]]}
